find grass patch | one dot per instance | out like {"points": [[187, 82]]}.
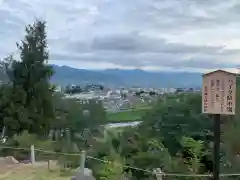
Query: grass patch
{"points": [[127, 115]]}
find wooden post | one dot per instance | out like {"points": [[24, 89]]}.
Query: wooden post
{"points": [[80, 174], [216, 151], [32, 154], [158, 172], [83, 159], [50, 165]]}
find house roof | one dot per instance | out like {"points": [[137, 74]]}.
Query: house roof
{"points": [[219, 70]]}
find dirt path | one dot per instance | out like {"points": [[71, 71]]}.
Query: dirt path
{"points": [[31, 172]]}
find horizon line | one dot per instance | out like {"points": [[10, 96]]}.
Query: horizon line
{"points": [[171, 70]]}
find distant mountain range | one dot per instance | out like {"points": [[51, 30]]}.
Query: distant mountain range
{"points": [[125, 78]]}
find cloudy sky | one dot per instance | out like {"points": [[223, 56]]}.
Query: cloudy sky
{"points": [[191, 35]]}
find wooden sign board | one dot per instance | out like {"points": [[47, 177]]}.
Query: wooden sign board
{"points": [[219, 93]]}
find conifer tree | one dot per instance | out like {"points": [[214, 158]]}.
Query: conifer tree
{"points": [[32, 75]]}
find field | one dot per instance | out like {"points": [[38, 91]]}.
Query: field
{"points": [[127, 115], [29, 172]]}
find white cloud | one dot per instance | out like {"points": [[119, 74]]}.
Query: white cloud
{"points": [[165, 35]]}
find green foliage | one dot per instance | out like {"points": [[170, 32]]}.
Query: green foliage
{"points": [[108, 150], [196, 152], [28, 102], [230, 147], [173, 119], [13, 114], [111, 170], [174, 136], [25, 140], [81, 120], [66, 160], [195, 148]]}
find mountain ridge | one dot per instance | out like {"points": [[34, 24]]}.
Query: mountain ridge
{"points": [[127, 78]]}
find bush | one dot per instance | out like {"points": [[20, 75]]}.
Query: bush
{"points": [[66, 160], [24, 141]]}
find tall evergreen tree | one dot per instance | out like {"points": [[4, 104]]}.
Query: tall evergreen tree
{"points": [[32, 74]]}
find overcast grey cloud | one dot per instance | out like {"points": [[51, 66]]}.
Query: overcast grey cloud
{"points": [[178, 34]]}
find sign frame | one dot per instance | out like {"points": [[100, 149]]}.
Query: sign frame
{"points": [[219, 93]]}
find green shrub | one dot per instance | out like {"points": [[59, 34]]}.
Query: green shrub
{"points": [[24, 141], [45, 149], [69, 161]]}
